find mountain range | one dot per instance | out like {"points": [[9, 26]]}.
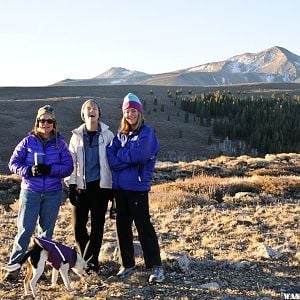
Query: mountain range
{"points": [[275, 64]]}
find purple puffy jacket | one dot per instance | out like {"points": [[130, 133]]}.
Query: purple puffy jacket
{"points": [[132, 163], [56, 154]]}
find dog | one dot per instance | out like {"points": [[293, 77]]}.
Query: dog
{"points": [[61, 257]]}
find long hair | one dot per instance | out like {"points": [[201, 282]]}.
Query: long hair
{"points": [[125, 127], [35, 132]]}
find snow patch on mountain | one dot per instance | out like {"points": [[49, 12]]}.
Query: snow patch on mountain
{"points": [[116, 81]]}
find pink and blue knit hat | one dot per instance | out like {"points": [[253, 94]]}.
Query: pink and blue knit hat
{"points": [[131, 100]]}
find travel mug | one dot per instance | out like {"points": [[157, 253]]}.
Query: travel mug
{"points": [[39, 158]]}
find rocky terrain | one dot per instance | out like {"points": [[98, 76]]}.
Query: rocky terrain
{"points": [[228, 229]]}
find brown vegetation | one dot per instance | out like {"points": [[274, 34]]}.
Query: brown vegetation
{"points": [[228, 229]]}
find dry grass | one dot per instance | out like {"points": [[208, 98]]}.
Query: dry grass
{"points": [[219, 220], [190, 192]]}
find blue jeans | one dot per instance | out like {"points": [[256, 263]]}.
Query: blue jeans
{"points": [[34, 206]]}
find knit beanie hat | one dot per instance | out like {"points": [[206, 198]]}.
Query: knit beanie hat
{"points": [[132, 101], [47, 109], [85, 103]]}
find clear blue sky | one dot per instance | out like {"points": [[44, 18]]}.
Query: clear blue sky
{"points": [[42, 42]]}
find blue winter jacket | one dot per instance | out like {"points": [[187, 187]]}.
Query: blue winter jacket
{"points": [[56, 154], [132, 159]]}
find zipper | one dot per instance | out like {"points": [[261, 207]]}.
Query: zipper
{"points": [[83, 166], [44, 177]]}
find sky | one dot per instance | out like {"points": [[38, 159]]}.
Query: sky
{"points": [[43, 42]]}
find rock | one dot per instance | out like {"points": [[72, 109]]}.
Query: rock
{"points": [[265, 251], [210, 285], [113, 250], [108, 250], [180, 260], [246, 196], [241, 265]]}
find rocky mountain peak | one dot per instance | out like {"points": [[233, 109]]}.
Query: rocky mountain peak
{"points": [[118, 72], [275, 64]]}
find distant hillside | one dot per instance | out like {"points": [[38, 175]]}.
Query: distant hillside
{"points": [[275, 64], [19, 107], [180, 140]]}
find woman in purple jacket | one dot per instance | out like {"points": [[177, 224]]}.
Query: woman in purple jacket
{"points": [[131, 156], [42, 159]]}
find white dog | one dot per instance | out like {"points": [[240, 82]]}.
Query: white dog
{"points": [[62, 258]]}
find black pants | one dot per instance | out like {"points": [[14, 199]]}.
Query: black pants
{"points": [[134, 206], [93, 200]]}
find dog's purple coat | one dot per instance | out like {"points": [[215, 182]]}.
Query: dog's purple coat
{"points": [[58, 253]]}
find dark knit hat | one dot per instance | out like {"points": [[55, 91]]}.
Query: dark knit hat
{"points": [[131, 100], [46, 109]]}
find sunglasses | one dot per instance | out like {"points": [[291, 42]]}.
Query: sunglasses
{"points": [[49, 121]]}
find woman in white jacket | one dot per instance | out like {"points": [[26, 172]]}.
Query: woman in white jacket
{"points": [[90, 183]]}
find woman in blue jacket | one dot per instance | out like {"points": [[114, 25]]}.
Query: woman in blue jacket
{"points": [[42, 159], [131, 156]]}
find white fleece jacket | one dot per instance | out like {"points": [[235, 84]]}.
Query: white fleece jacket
{"points": [[76, 148]]}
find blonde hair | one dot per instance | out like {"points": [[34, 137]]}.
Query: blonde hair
{"points": [[125, 127]]}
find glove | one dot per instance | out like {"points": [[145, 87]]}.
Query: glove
{"points": [[44, 170], [73, 194], [40, 170]]}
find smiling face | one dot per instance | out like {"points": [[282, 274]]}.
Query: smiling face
{"points": [[91, 112], [45, 125], [131, 115]]}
